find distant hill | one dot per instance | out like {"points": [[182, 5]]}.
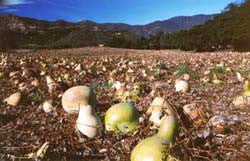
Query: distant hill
{"points": [[33, 33], [228, 30], [171, 25]]}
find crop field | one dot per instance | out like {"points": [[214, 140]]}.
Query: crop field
{"points": [[212, 111]]}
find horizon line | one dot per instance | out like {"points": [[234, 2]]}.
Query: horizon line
{"points": [[75, 22]]}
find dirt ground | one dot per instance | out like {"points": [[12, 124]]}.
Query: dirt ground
{"points": [[26, 127]]}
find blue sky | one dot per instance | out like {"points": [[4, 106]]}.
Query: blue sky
{"points": [[125, 11]]}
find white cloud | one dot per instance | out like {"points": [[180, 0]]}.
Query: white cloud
{"points": [[16, 2]]}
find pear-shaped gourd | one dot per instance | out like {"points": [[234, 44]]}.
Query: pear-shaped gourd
{"points": [[47, 106], [239, 77], [245, 99], [50, 83], [154, 148], [78, 67], [181, 86], [76, 97], [88, 122], [42, 73], [228, 69], [122, 118], [247, 89], [13, 99], [216, 80], [156, 110], [120, 90]]}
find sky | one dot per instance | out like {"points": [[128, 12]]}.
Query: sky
{"points": [[123, 11]]}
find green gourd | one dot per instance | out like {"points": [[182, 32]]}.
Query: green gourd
{"points": [[154, 148]]}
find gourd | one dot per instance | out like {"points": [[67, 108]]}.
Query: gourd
{"points": [[122, 118], [154, 148], [13, 99], [181, 86], [246, 88], [216, 80], [157, 108]]}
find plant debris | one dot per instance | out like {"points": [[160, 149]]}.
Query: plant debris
{"points": [[47, 74]]}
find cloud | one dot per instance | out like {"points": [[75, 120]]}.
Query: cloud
{"points": [[7, 5], [15, 2]]}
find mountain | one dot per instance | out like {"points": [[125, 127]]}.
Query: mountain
{"points": [[24, 24], [174, 24], [171, 25], [35, 33], [229, 30]]}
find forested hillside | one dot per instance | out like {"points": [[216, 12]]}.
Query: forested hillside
{"points": [[23, 32], [228, 30]]}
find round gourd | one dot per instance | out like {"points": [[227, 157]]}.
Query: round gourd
{"points": [[122, 117], [181, 86]]}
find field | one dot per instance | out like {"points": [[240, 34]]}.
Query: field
{"points": [[26, 127]]}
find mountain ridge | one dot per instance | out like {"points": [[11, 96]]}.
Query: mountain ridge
{"points": [[26, 32], [169, 25]]}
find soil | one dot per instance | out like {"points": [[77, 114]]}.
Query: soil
{"points": [[26, 127]]}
